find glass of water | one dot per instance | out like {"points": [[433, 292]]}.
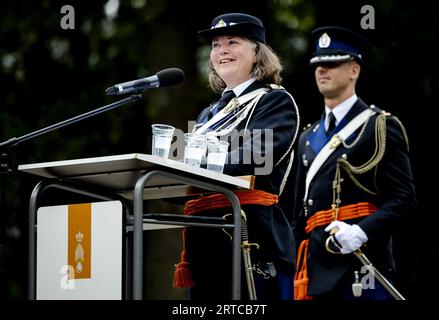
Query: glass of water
{"points": [[161, 139], [194, 149], [216, 154]]}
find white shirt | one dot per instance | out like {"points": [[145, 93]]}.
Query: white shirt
{"points": [[238, 90], [339, 111]]}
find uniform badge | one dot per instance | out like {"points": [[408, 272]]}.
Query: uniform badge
{"points": [[275, 86], [220, 24], [231, 105], [335, 141], [324, 41]]}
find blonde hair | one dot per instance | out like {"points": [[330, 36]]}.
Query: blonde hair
{"points": [[267, 68]]}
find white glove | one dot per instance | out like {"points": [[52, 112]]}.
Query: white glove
{"points": [[349, 237]]}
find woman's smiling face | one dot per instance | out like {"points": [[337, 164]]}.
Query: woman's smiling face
{"points": [[233, 58]]}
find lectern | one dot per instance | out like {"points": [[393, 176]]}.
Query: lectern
{"points": [[131, 179]]}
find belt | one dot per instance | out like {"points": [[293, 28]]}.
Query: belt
{"points": [[182, 274], [352, 211]]}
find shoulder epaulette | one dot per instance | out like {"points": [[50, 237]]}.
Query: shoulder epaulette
{"points": [[275, 86], [379, 111]]}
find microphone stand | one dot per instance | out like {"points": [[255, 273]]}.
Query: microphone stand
{"points": [[14, 141], [4, 168]]}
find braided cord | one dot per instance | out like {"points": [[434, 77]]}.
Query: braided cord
{"points": [[406, 137], [380, 148]]}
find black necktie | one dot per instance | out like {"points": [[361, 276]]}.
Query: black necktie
{"points": [[331, 125], [226, 97]]}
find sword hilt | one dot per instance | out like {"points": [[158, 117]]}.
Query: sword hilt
{"points": [[248, 245], [245, 246], [244, 234], [244, 231], [332, 233]]}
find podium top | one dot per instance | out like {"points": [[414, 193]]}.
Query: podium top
{"points": [[120, 172]]}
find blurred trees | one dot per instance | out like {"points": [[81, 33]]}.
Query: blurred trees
{"points": [[48, 74]]}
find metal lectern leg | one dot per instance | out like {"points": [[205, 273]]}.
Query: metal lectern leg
{"points": [[138, 235], [33, 238], [236, 246], [138, 229]]}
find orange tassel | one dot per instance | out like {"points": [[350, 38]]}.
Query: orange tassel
{"points": [[301, 279], [182, 274]]}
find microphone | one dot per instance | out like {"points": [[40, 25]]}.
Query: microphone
{"points": [[163, 78]]}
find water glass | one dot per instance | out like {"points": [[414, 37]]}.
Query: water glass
{"points": [[161, 139], [216, 154], [195, 148]]}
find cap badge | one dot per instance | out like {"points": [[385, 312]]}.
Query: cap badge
{"points": [[220, 24], [324, 41]]}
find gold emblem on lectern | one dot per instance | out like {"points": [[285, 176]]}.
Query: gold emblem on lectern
{"points": [[79, 252]]}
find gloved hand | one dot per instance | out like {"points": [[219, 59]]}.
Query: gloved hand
{"points": [[348, 238]]}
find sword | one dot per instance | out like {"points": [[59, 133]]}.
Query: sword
{"points": [[246, 255], [245, 246], [366, 262]]}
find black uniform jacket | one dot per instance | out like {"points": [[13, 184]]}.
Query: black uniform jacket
{"points": [[391, 179], [267, 226]]}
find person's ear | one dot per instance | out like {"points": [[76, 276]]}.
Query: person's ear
{"points": [[355, 70], [256, 52]]}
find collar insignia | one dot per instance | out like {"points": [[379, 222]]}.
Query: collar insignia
{"points": [[231, 105]]}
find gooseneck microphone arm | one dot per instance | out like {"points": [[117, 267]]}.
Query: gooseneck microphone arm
{"points": [[163, 78], [14, 141]]}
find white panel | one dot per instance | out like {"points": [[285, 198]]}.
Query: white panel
{"points": [[106, 254], [51, 251]]}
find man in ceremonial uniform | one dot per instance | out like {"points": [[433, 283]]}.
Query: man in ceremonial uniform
{"points": [[353, 179]]}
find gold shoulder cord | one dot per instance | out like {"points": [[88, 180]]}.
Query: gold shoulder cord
{"points": [[406, 138], [352, 171]]}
